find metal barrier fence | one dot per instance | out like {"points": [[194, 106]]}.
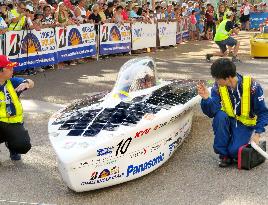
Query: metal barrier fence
{"points": [[31, 48]]}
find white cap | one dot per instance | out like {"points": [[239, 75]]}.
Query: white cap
{"points": [[184, 5], [29, 7]]}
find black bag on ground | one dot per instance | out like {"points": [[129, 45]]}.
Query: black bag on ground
{"points": [[248, 157]]}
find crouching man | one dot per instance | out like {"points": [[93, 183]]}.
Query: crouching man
{"points": [[237, 107], [12, 131]]}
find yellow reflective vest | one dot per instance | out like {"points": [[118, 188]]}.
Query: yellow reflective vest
{"points": [[4, 116], [20, 24], [221, 33], [227, 106]]}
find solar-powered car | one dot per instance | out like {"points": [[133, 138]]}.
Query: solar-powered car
{"points": [[114, 137]]}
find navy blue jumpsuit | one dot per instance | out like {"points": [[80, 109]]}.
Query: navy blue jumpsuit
{"points": [[229, 133]]}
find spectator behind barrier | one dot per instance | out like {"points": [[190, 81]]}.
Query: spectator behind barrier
{"points": [[80, 12], [48, 20], [109, 12], [17, 17]]}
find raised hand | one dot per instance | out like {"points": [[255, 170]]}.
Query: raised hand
{"points": [[202, 90]]}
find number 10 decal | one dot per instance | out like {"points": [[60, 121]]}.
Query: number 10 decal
{"points": [[123, 146]]}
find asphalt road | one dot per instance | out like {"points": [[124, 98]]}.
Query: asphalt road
{"points": [[191, 176]]}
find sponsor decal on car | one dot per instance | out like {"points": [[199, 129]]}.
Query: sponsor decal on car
{"points": [[136, 169], [104, 151], [103, 176]]}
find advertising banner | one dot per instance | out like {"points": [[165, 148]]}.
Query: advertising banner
{"points": [[76, 42], [256, 18], [143, 35], [185, 28], [115, 38], [31, 48], [167, 33]]}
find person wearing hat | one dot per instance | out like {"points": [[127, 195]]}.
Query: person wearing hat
{"points": [[223, 38], [12, 130]]}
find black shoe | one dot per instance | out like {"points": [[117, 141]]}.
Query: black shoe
{"points": [[14, 156], [208, 57], [225, 162]]}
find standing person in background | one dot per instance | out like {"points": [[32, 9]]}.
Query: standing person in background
{"points": [[220, 15], [124, 12], [12, 131], [101, 11], [17, 17], [193, 25], [109, 12], [4, 13], [245, 9], [41, 5], [198, 18], [80, 12], [95, 17], [48, 20], [209, 22], [3, 26], [118, 17]]}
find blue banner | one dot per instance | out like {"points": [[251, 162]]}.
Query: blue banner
{"points": [[76, 42], [32, 49], [178, 38], [115, 38], [256, 18], [185, 35]]}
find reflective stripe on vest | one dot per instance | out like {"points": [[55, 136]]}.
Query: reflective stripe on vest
{"points": [[4, 117], [221, 33], [18, 25], [245, 103]]}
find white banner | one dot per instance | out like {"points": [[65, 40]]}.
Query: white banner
{"points": [[167, 33], [143, 35]]}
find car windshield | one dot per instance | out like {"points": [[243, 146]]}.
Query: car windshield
{"points": [[134, 75]]}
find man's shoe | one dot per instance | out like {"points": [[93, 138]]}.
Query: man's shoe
{"points": [[225, 162], [208, 57], [14, 156]]}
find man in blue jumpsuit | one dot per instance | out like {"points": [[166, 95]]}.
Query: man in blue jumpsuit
{"points": [[237, 107], [12, 131]]}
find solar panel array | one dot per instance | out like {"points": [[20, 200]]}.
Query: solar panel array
{"points": [[90, 122]]}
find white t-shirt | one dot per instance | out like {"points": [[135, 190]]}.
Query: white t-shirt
{"points": [[246, 10]]}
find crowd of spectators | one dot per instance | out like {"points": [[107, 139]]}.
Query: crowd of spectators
{"points": [[203, 17], [37, 14]]}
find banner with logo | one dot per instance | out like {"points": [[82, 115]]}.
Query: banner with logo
{"points": [[256, 18], [185, 34], [31, 48], [143, 35], [167, 33], [179, 32], [115, 38], [76, 42]]}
